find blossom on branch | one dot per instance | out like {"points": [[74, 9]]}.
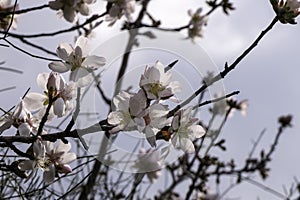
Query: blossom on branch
{"points": [[54, 88], [57, 159], [185, 130], [69, 8], [196, 24], [153, 120], [157, 83], [5, 6], [120, 8], [77, 61], [286, 10], [38, 161]]}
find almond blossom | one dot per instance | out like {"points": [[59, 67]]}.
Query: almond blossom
{"points": [[38, 161], [70, 8], [154, 119], [286, 10], [149, 163], [57, 159], [21, 118], [6, 6], [157, 83], [120, 8], [53, 86], [76, 60], [185, 130], [128, 106], [196, 24]]}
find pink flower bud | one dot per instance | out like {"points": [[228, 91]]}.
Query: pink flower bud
{"points": [[66, 169], [53, 81]]}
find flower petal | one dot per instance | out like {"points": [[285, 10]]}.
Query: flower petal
{"points": [[49, 174], [59, 107], [42, 80], [62, 147], [93, 62], [67, 158], [186, 145], [150, 136], [26, 165], [24, 129], [69, 14], [64, 50], [59, 67], [34, 101], [82, 43]]}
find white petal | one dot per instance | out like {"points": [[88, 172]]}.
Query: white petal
{"points": [[137, 103], [67, 158], [24, 129], [69, 14], [59, 107], [84, 9], [62, 147], [114, 118], [196, 131], [93, 62], [34, 101], [59, 67], [140, 123], [150, 136], [55, 5], [186, 145], [82, 43], [49, 174], [42, 80], [64, 50], [26, 165], [5, 123]]}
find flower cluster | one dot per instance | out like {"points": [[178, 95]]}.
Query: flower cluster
{"points": [[120, 8], [196, 24], [286, 10], [5, 6], [69, 8], [51, 160], [145, 112]]}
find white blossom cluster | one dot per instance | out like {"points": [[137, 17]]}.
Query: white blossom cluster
{"points": [[55, 100]]}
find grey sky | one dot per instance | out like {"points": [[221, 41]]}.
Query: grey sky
{"points": [[268, 77]]}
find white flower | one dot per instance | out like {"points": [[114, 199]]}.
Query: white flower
{"points": [[120, 8], [154, 119], [76, 60], [21, 118], [286, 10], [7, 120], [196, 24], [149, 163], [37, 162], [70, 8], [128, 106], [185, 130], [157, 83], [5, 6], [57, 159], [52, 85]]}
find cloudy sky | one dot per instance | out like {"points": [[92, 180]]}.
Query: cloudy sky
{"points": [[267, 77]]}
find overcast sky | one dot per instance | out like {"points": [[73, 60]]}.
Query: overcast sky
{"points": [[268, 77]]}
